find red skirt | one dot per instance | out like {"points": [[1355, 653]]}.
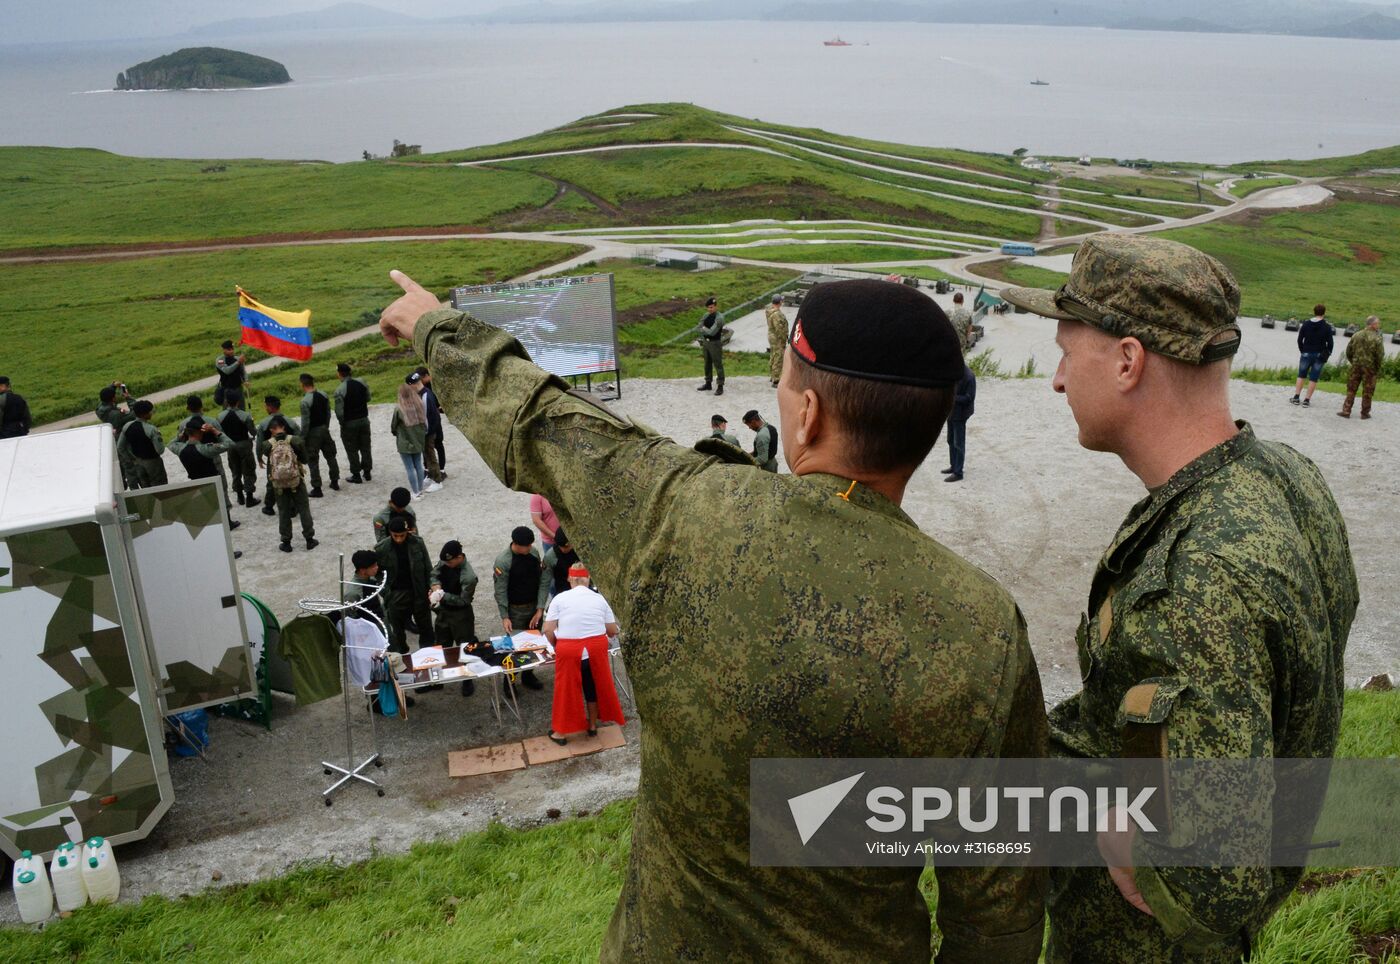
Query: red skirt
{"points": [[570, 715]]}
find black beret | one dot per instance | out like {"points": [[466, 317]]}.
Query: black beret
{"points": [[750, 415], [450, 550], [561, 538], [401, 497], [363, 558], [879, 330], [522, 536], [228, 345], [399, 524]]}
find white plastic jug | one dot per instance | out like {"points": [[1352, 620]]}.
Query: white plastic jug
{"points": [[32, 891], [66, 873], [100, 875]]}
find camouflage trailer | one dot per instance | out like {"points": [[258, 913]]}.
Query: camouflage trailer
{"points": [[119, 608]]}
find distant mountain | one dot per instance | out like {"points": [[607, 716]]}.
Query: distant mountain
{"points": [[341, 16], [1375, 26], [203, 68], [1326, 18], [1179, 25]]}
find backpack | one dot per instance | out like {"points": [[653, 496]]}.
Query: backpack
{"points": [[283, 467]]}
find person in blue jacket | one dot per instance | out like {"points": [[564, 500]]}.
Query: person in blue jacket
{"points": [[1314, 348]]}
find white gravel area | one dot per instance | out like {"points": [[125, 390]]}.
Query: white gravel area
{"points": [[1035, 511]]}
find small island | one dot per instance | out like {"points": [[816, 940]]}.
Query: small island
{"points": [[203, 68]]}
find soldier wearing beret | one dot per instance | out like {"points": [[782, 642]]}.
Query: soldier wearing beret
{"points": [[1218, 616], [711, 332], [142, 443], [882, 644], [719, 428], [404, 559], [765, 441]]}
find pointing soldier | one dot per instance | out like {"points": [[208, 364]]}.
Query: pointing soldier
{"points": [[777, 338], [1366, 353], [840, 657], [1217, 617]]}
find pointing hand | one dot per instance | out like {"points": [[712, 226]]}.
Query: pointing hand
{"points": [[399, 319]]}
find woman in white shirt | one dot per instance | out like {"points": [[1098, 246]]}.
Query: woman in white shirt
{"points": [[578, 624]]}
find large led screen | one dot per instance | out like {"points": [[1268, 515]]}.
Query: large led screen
{"points": [[568, 325]]}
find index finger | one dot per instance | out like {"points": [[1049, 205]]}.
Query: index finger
{"points": [[404, 281]]}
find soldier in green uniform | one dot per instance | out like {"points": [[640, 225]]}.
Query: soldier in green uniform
{"points": [[711, 332], [450, 591], [291, 499], [273, 406], [765, 441], [777, 338], [885, 644], [719, 428], [1366, 353], [141, 442], [521, 588], [238, 428], [109, 410], [232, 374], [352, 412], [316, 434], [404, 557], [399, 506], [199, 447], [1218, 616]]}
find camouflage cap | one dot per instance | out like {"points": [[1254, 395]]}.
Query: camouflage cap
{"points": [[1174, 299]]}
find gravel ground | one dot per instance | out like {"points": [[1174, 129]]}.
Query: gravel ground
{"points": [[1034, 511]]}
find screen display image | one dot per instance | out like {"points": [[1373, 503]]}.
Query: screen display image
{"points": [[568, 325]]}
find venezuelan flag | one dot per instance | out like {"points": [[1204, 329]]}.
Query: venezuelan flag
{"points": [[283, 333]]}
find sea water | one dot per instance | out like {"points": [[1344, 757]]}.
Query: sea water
{"points": [[1117, 93]]}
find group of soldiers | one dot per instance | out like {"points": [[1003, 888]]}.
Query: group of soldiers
{"points": [[435, 600], [1215, 628], [765, 438], [234, 449]]}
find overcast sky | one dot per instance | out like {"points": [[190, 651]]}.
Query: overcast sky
{"points": [[45, 21]]}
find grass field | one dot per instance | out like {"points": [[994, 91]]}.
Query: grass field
{"points": [[1246, 188], [655, 306], [54, 197], [72, 327], [1385, 157], [1334, 377], [547, 894], [1016, 273], [1346, 254], [1159, 187]]}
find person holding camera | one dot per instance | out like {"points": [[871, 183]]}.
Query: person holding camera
{"points": [[111, 411]]}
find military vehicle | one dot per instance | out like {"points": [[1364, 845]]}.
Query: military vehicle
{"points": [[120, 609]]}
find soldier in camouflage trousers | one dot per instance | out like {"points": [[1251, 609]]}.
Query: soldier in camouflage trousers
{"points": [[1366, 353], [777, 338], [1218, 616], [884, 643]]}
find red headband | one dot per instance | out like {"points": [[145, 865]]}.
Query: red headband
{"points": [[577, 570]]}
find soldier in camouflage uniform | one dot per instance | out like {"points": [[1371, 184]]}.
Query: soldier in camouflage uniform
{"points": [[884, 643], [1219, 614], [777, 338], [962, 321], [141, 443], [109, 410], [1366, 354]]}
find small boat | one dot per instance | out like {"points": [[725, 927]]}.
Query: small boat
{"points": [[838, 42], [1040, 83]]}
